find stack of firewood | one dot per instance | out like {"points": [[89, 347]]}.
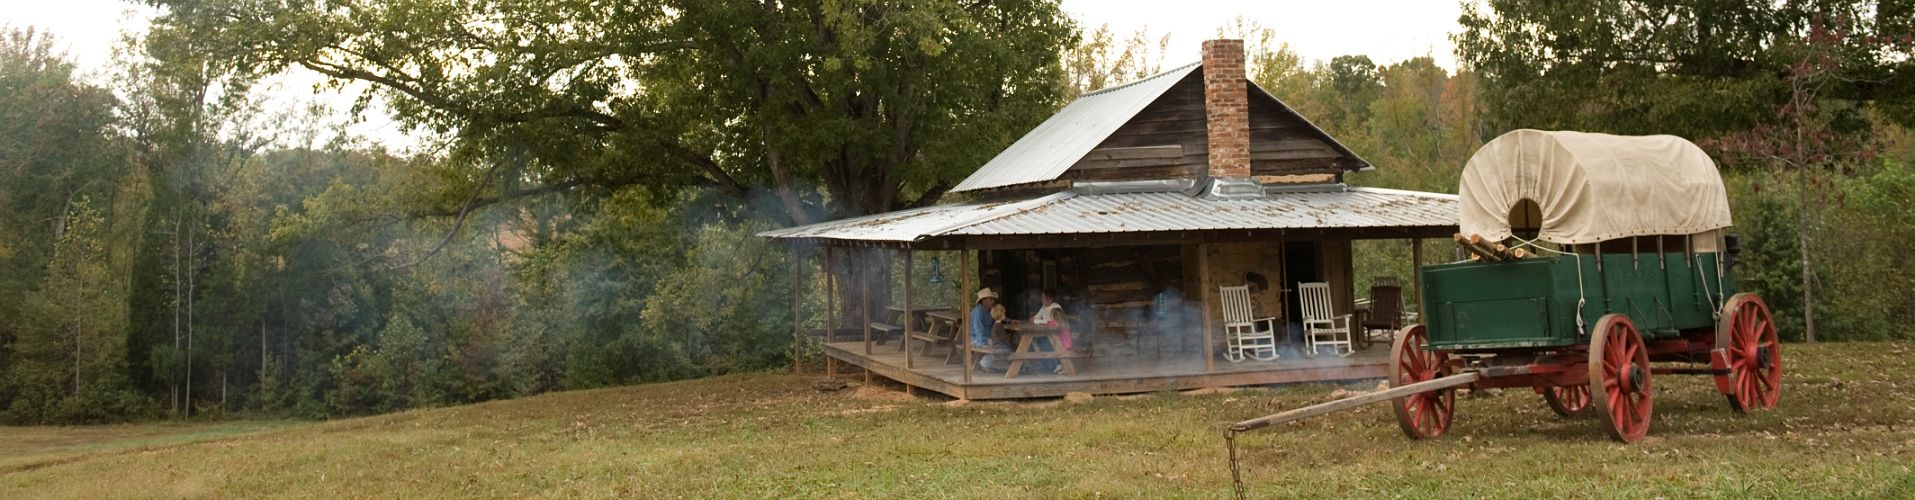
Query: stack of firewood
{"points": [[1480, 249]]}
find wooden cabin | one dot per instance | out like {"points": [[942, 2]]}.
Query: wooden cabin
{"points": [[1136, 204]]}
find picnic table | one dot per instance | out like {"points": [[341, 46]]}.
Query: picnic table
{"points": [[894, 325], [941, 330], [1027, 334], [918, 309]]}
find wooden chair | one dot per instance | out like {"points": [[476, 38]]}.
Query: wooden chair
{"points": [[1385, 314], [1242, 335], [1320, 321]]}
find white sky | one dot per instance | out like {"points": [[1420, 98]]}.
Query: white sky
{"points": [[1386, 30]]}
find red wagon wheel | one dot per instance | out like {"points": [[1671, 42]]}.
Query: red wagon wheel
{"points": [[1619, 382], [1755, 356], [1422, 415], [1567, 400]]}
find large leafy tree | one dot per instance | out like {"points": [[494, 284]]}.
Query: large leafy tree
{"points": [[875, 104], [1696, 68], [56, 147], [57, 152]]}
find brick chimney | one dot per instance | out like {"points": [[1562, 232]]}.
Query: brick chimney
{"points": [[1227, 109]]}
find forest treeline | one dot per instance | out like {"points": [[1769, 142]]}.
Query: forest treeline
{"points": [[582, 211]]}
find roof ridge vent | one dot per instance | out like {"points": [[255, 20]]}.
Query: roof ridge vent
{"points": [[1134, 83]]}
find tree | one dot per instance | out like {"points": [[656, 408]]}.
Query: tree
{"points": [[70, 362], [64, 191], [1694, 68], [1806, 141], [56, 148], [1277, 67], [879, 105], [1101, 60]]}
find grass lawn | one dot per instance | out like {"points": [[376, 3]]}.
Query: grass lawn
{"points": [[1844, 428]]}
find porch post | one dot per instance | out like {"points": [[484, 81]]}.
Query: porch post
{"points": [[904, 342], [864, 294], [1416, 274], [1209, 350], [797, 310], [964, 311], [831, 310]]}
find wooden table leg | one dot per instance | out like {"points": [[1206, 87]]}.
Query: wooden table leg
{"points": [[1057, 345], [1023, 346]]}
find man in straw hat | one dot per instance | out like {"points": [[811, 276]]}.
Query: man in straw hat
{"points": [[987, 329]]}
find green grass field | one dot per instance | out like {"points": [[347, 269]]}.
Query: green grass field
{"points": [[1844, 429]]}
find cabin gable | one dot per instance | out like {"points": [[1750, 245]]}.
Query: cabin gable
{"points": [[1168, 140]]}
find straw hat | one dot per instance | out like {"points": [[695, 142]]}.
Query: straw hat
{"points": [[986, 294]]}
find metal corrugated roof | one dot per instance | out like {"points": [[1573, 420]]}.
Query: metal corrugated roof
{"points": [[913, 224], [1071, 213], [1047, 151], [1150, 212]]}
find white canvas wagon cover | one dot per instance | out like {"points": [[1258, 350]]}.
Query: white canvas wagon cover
{"points": [[1591, 187]]}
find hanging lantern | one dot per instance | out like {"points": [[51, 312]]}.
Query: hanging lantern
{"points": [[937, 271]]}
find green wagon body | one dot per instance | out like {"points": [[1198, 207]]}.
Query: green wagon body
{"points": [[1532, 303]]}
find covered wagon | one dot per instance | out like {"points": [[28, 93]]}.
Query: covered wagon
{"points": [[1589, 257]]}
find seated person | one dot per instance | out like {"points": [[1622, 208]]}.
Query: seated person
{"points": [[1051, 313], [987, 330], [1048, 310]]}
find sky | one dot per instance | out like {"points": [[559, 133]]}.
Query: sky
{"points": [[1386, 30]]}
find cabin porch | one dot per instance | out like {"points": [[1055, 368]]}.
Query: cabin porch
{"points": [[1138, 372]]}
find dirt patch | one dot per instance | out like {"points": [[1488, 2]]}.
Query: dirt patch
{"points": [[1209, 390], [873, 393], [868, 410]]}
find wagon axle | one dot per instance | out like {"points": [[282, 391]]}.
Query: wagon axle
{"points": [[1633, 378]]}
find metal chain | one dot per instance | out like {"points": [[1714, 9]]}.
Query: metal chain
{"points": [[1236, 468]]}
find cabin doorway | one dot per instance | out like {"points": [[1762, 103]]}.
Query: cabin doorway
{"points": [[1301, 261]]}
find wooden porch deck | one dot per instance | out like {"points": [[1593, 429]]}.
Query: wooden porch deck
{"points": [[1144, 372]]}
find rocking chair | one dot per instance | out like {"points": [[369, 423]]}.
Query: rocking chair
{"points": [[1321, 325], [1246, 335]]}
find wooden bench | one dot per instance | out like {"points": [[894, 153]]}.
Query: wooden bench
{"points": [[938, 335], [977, 353], [1049, 355], [880, 330]]}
